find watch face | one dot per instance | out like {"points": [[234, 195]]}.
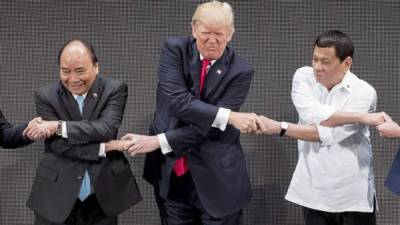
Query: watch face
{"points": [[284, 125]]}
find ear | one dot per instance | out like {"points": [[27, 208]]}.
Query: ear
{"points": [[194, 29], [97, 68], [347, 62], [230, 35]]}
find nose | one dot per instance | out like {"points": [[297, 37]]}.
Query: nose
{"points": [[74, 78], [212, 38]]}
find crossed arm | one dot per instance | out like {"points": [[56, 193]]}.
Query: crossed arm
{"points": [[84, 137]]}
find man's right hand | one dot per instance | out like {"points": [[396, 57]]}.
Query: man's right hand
{"points": [[118, 145], [375, 119], [39, 129], [245, 122]]}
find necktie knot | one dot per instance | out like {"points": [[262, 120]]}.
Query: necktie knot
{"points": [[205, 62]]}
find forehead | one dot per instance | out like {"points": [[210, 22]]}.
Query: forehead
{"points": [[211, 26], [75, 52], [327, 52]]}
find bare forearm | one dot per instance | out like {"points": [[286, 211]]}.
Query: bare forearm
{"points": [[303, 132], [342, 118]]}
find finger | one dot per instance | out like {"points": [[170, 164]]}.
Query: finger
{"points": [[25, 132], [386, 117], [127, 144], [126, 137]]}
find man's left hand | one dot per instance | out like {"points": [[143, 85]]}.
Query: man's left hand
{"points": [[142, 143]]}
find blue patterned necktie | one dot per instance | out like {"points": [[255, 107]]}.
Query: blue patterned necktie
{"points": [[84, 192]]}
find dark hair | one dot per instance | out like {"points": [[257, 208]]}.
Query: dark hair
{"points": [[88, 46], [337, 39]]}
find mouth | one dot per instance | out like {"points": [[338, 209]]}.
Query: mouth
{"points": [[76, 86]]}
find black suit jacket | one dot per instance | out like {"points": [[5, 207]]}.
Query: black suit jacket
{"points": [[392, 181], [59, 173], [216, 159], [11, 135]]}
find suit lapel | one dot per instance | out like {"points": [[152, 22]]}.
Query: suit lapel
{"points": [[194, 60], [69, 102], [91, 100], [216, 73]]}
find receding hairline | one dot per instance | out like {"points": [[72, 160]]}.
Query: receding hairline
{"points": [[89, 48]]}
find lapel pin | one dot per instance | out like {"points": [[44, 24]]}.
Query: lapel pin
{"points": [[219, 71], [94, 95]]}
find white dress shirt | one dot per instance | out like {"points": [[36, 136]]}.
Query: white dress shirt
{"points": [[64, 133], [220, 121], [335, 174]]}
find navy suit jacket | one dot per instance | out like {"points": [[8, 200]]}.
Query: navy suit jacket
{"points": [[393, 179], [216, 158], [60, 171], [11, 135]]}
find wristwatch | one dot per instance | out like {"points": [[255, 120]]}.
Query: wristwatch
{"points": [[284, 127], [59, 128]]}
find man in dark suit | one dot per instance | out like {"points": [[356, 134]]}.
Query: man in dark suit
{"points": [[199, 174], [82, 177], [13, 136], [390, 129]]}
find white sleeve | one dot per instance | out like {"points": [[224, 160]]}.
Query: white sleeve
{"points": [[309, 109], [364, 103], [64, 133], [164, 145], [221, 120], [102, 151]]}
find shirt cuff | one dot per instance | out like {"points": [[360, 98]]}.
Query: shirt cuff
{"points": [[64, 130], [324, 134], [221, 120], [324, 114], [102, 151], [164, 145]]}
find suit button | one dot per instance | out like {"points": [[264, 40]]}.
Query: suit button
{"points": [[79, 178]]}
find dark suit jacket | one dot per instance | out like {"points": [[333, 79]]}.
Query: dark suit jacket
{"points": [[216, 159], [59, 173], [393, 179], [11, 135]]}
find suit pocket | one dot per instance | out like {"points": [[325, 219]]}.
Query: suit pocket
{"points": [[229, 160], [47, 173], [119, 166]]}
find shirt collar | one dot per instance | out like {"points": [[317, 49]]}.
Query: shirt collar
{"points": [[84, 95], [212, 61], [346, 82]]}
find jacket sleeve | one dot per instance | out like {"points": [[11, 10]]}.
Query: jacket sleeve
{"points": [[172, 83], [104, 128], [183, 138], [87, 146], [11, 135]]}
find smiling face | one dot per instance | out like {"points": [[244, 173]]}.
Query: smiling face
{"points": [[211, 39], [328, 68], [77, 71]]}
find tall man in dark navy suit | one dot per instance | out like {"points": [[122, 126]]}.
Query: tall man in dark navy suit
{"points": [[199, 174], [82, 178]]}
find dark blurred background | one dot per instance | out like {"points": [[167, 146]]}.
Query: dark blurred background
{"points": [[276, 37]]}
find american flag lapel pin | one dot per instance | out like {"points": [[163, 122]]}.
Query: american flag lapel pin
{"points": [[94, 95], [219, 71]]}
